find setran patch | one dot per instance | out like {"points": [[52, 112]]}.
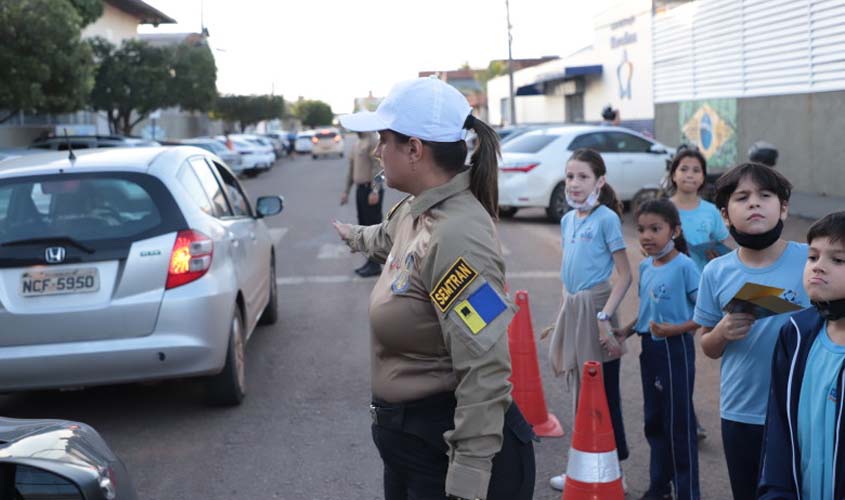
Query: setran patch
{"points": [[450, 286]]}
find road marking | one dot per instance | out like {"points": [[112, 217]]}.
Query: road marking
{"points": [[334, 251], [334, 279], [277, 233]]}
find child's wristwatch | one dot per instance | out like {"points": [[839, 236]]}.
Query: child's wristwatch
{"points": [[602, 316]]}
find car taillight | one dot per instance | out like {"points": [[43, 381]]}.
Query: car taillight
{"points": [[337, 138], [315, 140], [519, 168], [190, 259]]}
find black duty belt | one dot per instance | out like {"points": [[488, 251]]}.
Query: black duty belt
{"points": [[393, 415]]}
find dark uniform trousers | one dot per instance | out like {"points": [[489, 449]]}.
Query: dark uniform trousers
{"points": [[667, 368], [409, 438], [368, 215]]}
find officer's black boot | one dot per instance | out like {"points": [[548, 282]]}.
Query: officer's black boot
{"points": [[370, 269]]}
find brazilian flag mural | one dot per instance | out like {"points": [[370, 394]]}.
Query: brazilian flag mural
{"points": [[710, 125]]}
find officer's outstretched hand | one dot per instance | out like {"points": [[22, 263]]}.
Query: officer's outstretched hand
{"points": [[343, 230]]}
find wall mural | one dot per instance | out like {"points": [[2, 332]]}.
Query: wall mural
{"points": [[710, 125]]}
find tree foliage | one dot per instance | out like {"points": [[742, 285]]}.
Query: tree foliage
{"points": [[249, 109], [137, 78], [313, 113], [45, 67], [88, 10]]}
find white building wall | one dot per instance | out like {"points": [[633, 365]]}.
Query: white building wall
{"points": [[114, 25], [748, 48]]}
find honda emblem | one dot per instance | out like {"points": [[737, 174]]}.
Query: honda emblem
{"points": [[54, 255]]}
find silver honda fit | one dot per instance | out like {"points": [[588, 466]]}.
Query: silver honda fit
{"points": [[124, 265]]}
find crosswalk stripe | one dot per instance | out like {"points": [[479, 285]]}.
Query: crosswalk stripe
{"points": [[342, 278], [333, 251]]}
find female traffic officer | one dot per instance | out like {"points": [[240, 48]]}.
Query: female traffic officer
{"points": [[443, 419]]}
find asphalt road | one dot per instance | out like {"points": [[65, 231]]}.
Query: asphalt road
{"points": [[303, 432]]}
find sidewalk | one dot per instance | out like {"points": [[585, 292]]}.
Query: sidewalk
{"points": [[812, 206]]}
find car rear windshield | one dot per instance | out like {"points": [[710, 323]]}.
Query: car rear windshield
{"points": [[86, 207], [528, 143], [326, 135]]}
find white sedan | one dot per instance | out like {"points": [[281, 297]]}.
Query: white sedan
{"points": [[531, 173]]}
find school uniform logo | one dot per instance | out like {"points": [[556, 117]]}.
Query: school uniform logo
{"points": [[790, 296], [403, 280], [659, 292], [455, 281]]}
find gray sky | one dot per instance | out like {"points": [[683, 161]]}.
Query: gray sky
{"points": [[336, 50]]}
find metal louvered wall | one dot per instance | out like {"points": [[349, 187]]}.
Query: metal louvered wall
{"points": [[745, 48]]}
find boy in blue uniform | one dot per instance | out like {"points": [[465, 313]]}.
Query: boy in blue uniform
{"points": [[753, 199], [804, 447]]}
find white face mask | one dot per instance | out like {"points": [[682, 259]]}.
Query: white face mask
{"points": [[590, 203], [665, 251]]}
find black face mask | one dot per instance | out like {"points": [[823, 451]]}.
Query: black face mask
{"points": [[757, 241], [831, 311]]}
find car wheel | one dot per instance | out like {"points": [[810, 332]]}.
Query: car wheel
{"points": [[313, 157], [557, 204], [228, 387], [642, 196], [271, 313], [341, 155], [507, 212]]}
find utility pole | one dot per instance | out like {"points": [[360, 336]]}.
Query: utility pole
{"points": [[510, 64]]}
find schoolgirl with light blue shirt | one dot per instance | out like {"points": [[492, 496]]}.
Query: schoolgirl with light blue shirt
{"points": [[701, 221], [755, 200], [588, 246], [593, 245], [667, 291]]}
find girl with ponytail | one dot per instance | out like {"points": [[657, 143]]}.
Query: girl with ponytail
{"points": [[593, 247]]}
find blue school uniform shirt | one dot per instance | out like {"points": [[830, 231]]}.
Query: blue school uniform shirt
{"points": [[667, 292], [746, 363], [701, 225], [588, 246], [817, 416]]}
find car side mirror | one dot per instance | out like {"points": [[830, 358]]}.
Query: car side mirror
{"points": [[20, 481], [657, 149], [269, 205]]}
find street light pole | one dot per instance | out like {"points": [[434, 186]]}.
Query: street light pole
{"points": [[510, 64]]}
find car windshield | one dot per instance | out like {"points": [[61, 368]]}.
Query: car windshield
{"points": [[83, 208], [528, 143], [326, 135]]}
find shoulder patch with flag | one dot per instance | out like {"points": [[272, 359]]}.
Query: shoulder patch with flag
{"points": [[480, 308]]}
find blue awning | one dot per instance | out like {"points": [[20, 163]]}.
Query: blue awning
{"points": [[570, 72]]}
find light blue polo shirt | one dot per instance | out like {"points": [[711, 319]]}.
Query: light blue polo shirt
{"points": [[817, 416], [747, 363], [702, 224], [667, 292], [588, 246]]}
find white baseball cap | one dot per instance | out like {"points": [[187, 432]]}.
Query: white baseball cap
{"points": [[427, 108]]}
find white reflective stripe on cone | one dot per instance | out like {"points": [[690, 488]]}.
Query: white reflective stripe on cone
{"points": [[593, 467]]}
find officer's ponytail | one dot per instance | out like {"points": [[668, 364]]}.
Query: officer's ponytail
{"points": [[484, 162]]}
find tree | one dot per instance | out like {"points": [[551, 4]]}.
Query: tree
{"points": [[194, 76], [248, 109], [136, 78], [313, 113], [132, 78], [45, 67]]}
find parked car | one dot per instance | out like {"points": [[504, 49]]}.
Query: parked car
{"points": [[262, 143], [231, 158], [327, 142], [134, 264], [59, 459], [304, 142], [60, 143], [531, 173], [254, 159], [279, 139]]}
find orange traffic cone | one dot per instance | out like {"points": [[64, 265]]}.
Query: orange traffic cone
{"points": [[593, 472], [527, 385]]}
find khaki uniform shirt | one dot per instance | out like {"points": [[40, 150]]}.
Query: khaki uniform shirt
{"points": [[363, 165], [439, 319]]}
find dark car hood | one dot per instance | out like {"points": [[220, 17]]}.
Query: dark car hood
{"points": [[71, 444]]}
